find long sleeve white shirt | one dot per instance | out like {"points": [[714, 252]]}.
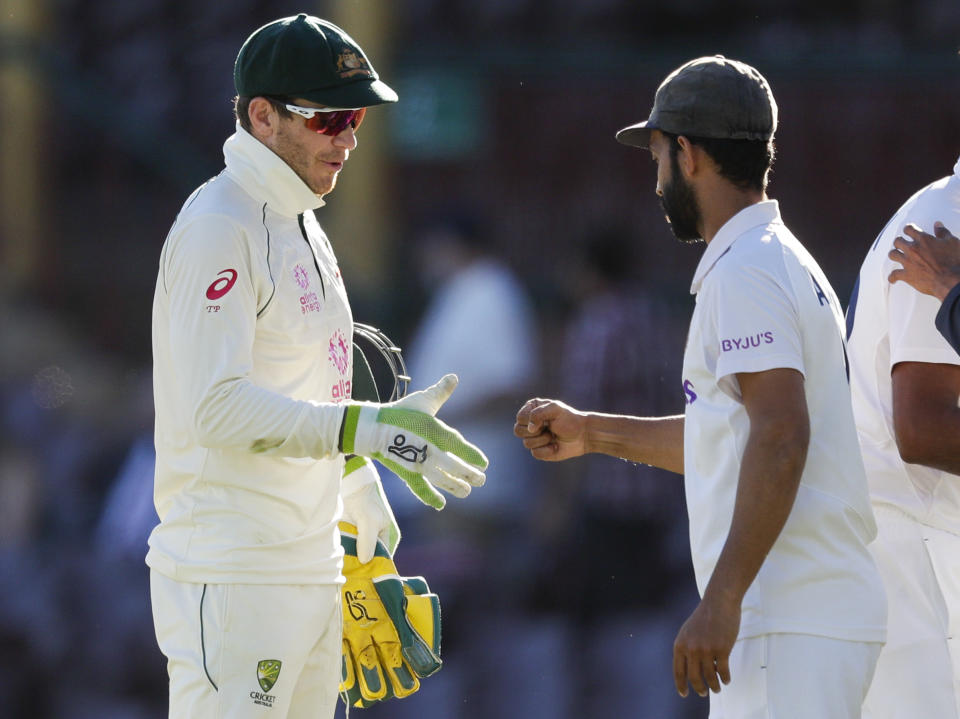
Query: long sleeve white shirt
{"points": [[252, 344]]}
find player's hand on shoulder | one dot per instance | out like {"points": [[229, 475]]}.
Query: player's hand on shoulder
{"points": [[551, 430], [930, 263]]}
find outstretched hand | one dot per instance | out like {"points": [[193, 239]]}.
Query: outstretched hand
{"points": [[551, 430], [407, 439], [931, 263]]}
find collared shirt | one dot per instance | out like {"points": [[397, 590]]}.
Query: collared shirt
{"points": [[892, 323], [252, 344], [762, 304]]}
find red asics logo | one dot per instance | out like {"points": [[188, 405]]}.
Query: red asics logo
{"points": [[222, 286]]}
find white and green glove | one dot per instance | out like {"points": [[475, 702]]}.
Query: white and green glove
{"points": [[365, 506], [406, 438]]}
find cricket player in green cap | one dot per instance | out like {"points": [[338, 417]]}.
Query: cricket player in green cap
{"points": [[262, 449]]}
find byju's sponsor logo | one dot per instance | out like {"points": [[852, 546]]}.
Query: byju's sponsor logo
{"points": [[746, 342], [407, 452], [688, 391]]}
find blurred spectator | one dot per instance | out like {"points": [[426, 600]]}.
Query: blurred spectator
{"points": [[617, 530], [479, 325], [476, 554]]}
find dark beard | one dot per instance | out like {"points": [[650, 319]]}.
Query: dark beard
{"points": [[680, 204]]}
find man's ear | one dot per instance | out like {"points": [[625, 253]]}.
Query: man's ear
{"points": [[264, 119], [688, 157]]}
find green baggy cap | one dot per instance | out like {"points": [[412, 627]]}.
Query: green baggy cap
{"points": [[709, 97], [309, 58]]}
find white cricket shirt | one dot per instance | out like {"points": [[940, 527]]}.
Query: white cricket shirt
{"points": [[890, 324], [763, 303], [252, 345]]}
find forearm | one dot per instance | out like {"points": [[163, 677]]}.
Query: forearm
{"points": [[769, 478], [239, 414], [926, 416], [656, 441], [933, 440]]}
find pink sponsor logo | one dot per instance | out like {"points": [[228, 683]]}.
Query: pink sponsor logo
{"points": [[339, 352], [301, 276], [310, 303], [219, 287], [341, 390]]}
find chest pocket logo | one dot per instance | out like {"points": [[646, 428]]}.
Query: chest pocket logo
{"points": [[309, 302]]}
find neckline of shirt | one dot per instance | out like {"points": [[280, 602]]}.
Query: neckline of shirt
{"points": [[755, 215], [266, 177]]}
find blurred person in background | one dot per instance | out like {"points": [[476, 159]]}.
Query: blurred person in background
{"points": [[478, 323], [905, 382], [792, 614], [618, 353], [252, 342]]}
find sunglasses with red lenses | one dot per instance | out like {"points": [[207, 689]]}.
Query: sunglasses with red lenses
{"points": [[328, 120]]}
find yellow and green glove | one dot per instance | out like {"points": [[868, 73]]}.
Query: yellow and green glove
{"points": [[405, 437], [391, 628]]}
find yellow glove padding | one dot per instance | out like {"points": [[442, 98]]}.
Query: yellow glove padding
{"points": [[391, 628]]}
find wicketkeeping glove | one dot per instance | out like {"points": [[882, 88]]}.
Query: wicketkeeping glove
{"points": [[391, 628], [405, 437]]}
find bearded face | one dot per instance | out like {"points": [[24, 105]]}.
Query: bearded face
{"points": [[680, 204]]}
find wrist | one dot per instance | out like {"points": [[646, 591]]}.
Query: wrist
{"points": [[945, 285], [722, 593], [589, 432], [350, 422]]}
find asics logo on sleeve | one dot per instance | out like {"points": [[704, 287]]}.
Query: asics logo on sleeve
{"points": [[219, 287], [408, 453]]}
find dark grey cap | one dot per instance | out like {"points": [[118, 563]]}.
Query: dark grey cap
{"points": [[709, 97], [310, 58]]}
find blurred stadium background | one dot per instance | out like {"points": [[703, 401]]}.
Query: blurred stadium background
{"points": [[112, 111]]}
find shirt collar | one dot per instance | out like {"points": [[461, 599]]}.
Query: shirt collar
{"points": [[265, 176], [755, 215]]}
